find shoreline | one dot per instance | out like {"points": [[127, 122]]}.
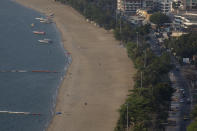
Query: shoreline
{"points": [[100, 72]]}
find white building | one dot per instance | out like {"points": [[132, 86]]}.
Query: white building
{"points": [[189, 4], [185, 20], [131, 6], [165, 6], [148, 4]]}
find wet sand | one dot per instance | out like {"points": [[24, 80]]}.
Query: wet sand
{"points": [[97, 81]]}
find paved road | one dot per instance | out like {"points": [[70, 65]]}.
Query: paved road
{"points": [[181, 95], [184, 108]]}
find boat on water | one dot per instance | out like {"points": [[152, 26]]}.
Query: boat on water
{"points": [[43, 41], [39, 32], [40, 18], [46, 41], [46, 21]]}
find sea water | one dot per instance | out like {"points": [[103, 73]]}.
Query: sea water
{"points": [[20, 50]]}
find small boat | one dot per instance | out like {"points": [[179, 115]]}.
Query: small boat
{"points": [[39, 32], [47, 21], [49, 40], [45, 41], [22, 71], [43, 19], [39, 18]]}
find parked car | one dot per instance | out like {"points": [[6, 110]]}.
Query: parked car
{"points": [[188, 101], [186, 118], [181, 101]]}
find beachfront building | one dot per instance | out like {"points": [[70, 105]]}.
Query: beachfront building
{"points": [[131, 6], [147, 4], [165, 6], [185, 21], [189, 4]]}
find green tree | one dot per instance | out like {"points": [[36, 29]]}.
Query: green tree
{"points": [[192, 126], [159, 18], [185, 46]]}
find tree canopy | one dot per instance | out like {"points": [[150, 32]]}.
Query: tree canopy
{"points": [[148, 103], [159, 18], [184, 46], [193, 125]]}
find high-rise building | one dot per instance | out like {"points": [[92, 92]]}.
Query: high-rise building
{"points": [[189, 4], [165, 6], [148, 4], [129, 6]]}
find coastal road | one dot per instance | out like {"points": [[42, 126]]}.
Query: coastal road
{"points": [[181, 84], [183, 108]]}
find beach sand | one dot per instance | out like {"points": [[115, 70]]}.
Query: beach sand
{"points": [[97, 81]]}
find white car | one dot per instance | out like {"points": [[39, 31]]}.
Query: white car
{"points": [[181, 101]]}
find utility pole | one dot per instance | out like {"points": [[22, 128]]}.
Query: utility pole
{"points": [[145, 59], [120, 27], [116, 17], [124, 6], [120, 22], [141, 79], [137, 40], [127, 117]]}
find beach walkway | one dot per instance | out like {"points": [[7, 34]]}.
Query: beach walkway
{"points": [[99, 77]]}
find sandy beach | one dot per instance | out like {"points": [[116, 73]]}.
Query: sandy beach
{"points": [[97, 81]]}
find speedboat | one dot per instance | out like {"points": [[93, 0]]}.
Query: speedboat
{"points": [[40, 18], [43, 41], [46, 41], [49, 40], [39, 32], [47, 21]]}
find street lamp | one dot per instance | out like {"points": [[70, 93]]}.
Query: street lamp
{"points": [[141, 79], [121, 27], [137, 40], [145, 59], [127, 116]]}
